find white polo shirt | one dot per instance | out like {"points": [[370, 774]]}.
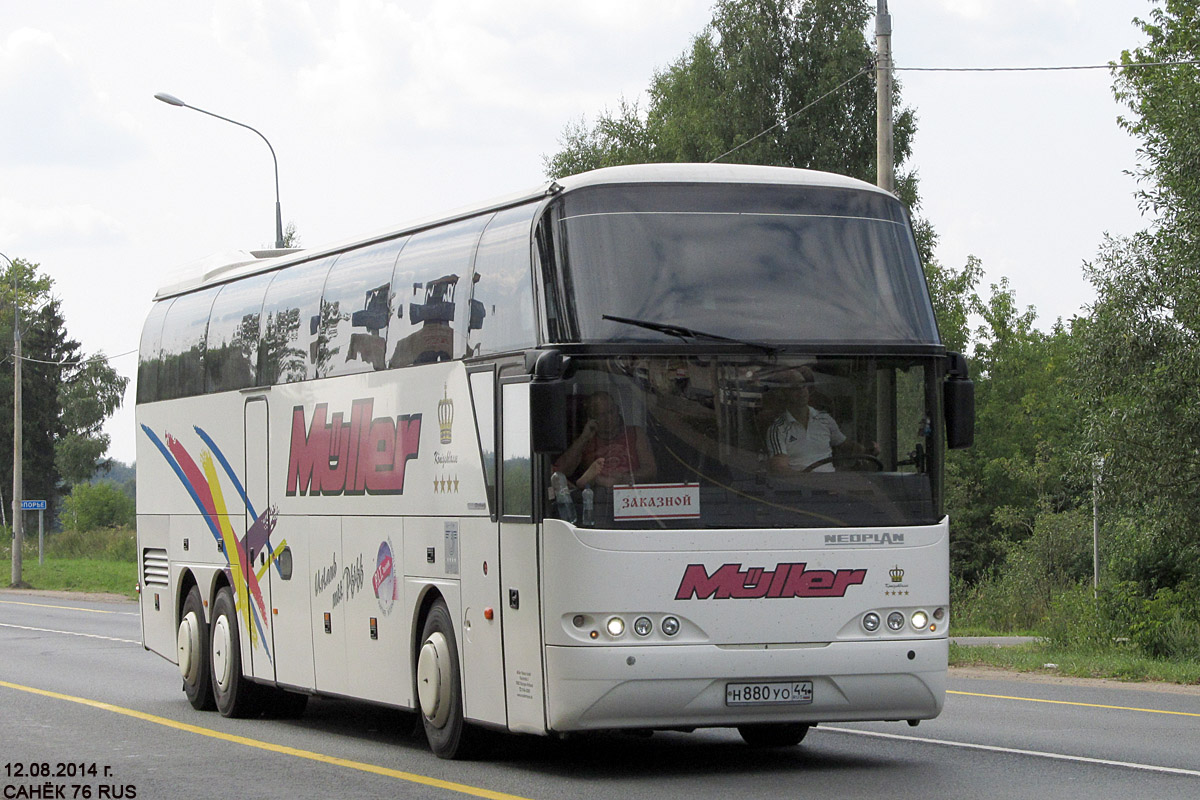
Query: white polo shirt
{"points": [[804, 446]]}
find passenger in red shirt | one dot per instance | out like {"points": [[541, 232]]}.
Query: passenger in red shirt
{"points": [[616, 453]]}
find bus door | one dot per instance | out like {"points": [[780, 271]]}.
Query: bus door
{"points": [[519, 560], [278, 611]]}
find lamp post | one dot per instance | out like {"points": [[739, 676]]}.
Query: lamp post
{"points": [[171, 100], [18, 438]]}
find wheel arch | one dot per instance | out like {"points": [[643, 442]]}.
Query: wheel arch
{"points": [[430, 594], [187, 580]]}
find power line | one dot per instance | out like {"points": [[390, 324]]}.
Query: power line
{"points": [[834, 90], [1049, 69], [894, 68], [75, 363]]}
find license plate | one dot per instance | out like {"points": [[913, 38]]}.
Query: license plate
{"points": [[769, 693]]}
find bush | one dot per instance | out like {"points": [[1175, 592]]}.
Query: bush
{"points": [[92, 506], [1078, 620], [103, 544], [1169, 625]]}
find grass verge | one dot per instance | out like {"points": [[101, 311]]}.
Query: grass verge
{"points": [[75, 575], [1117, 664]]}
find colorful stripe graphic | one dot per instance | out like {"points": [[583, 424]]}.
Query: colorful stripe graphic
{"points": [[203, 484]]}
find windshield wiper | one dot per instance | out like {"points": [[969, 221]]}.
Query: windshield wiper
{"points": [[688, 333]]}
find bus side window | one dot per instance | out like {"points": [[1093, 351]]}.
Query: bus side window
{"points": [[483, 396], [426, 280], [150, 353], [499, 305], [358, 300], [288, 348], [231, 356], [516, 482], [181, 373]]}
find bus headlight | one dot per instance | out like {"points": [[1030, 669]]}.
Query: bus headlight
{"points": [[895, 620], [670, 626], [870, 622], [919, 620], [616, 626], [642, 626]]}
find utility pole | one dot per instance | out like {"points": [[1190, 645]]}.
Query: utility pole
{"points": [[884, 171], [18, 443]]}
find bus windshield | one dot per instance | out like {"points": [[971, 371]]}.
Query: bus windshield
{"points": [[748, 442], [761, 263]]}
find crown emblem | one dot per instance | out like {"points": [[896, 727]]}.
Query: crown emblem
{"points": [[445, 415], [896, 574]]}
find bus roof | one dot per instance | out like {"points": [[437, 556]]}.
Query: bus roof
{"points": [[227, 266]]}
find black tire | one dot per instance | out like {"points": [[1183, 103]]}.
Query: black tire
{"points": [[192, 643], [234, 694], [438, 687], [773, 734]]}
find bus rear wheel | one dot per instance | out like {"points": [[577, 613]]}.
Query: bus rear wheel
{"points": [[773, 734], [192, 642], [439, 687], [233, 692]]}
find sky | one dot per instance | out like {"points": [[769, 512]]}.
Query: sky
{"points": [[382, 112]]}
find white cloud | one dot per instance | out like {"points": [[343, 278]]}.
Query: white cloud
{"points": [[27, 228], [53, 115]]}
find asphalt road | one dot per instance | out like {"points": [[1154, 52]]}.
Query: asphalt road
{"points": [[81, 700]]}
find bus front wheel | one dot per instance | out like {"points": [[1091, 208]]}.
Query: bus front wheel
{"points": [[776, 734], [233, 692], [192, 642], [439, 686]]}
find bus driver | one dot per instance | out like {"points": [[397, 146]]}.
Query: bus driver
{"points": [[803, 438]]}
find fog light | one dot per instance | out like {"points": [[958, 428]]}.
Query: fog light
{"points": [[670, 626], [919, 620], [895, 620], [642, 626], [616, 626], [870, 622]]}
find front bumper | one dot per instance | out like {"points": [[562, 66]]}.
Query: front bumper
{"points": [[674, 686]]}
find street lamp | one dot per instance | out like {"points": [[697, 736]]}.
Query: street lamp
{"points": [[171, 100]]}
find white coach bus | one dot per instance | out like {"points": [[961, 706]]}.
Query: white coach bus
{"points": [[652, 447]]}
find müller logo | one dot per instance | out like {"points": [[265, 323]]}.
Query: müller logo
{"points": [[364, 455], [730, 581]]}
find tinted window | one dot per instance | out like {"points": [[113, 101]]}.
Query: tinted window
{"points": [[426, 281], [150, 353], [231, 358], [752, 442], [499, 307], [294, 327], [181, 373], [777, 263], [483, 393], [358, 300], [518, 464]]}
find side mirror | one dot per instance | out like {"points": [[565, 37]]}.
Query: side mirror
{"points": [[548, 403], [958, 394]]}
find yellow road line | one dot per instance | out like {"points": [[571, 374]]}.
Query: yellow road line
{"points": [[1072, 703], [68, 608], [461, 788]]}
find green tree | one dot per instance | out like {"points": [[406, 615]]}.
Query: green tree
{"points": [[65, 397], [1139, 350], [1023, 469], [91, 506], [751, 72]]}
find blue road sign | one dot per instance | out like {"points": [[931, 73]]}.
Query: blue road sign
{"points": [[33, 505]]}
